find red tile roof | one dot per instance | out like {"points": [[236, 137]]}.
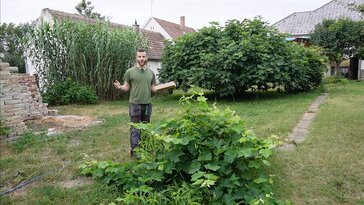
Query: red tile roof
{"points": [[155, 39], [173, 29], [156, 44]]}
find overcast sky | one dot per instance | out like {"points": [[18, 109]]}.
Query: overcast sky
{"points": [[198, 13]]}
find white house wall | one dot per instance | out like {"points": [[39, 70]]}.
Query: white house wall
{"points": [[153, 25], [45, 16], [154, 66], [361, 70]]}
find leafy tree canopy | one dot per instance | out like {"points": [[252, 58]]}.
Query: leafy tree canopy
{"points": [[247, 55], [341, 39], [84, 8], [11, 36]]}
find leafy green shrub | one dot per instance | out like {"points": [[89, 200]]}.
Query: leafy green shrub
{"points": [[201, 156], [67, 92], [241, 56], [11, 36], [332, 79]]}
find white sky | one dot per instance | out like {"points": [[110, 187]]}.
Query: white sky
{"points": [[198, 13]]}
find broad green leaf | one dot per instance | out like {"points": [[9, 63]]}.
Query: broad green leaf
{"points": [[266, 152], [260, 180], [245, 153], [174, 155], [195, 166], [197, 175], [229, 156], [207, 183], [212, 167], [103, 165], [266, 162], [254, 164], [205, 156], [198, 182]]}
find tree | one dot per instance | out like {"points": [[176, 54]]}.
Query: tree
{"points": [[84, 8], [341, 39], [247, 55], [11, 44], [360, 8], [356, 7]]}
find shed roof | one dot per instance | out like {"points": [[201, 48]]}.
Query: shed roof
{"points": [[302, 23]]}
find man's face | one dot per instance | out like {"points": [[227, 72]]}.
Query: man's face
{"points": [[141, 58]]}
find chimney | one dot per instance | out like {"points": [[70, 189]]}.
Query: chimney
{"points": [[182, 23], [136, 28]]}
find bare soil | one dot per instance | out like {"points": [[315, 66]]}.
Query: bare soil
{"points": [[61, 123]]}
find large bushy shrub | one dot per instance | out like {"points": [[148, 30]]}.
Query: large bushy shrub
{"points": [[69, 91], [91, 54], [241, 56], [201, 156]]}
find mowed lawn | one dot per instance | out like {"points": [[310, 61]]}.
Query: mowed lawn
{"points": [[328, 168], [325, 169]]}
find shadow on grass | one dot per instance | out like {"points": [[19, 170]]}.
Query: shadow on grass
{"points": [[245, 96]]}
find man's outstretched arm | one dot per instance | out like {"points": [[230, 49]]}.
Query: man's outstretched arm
{"points": [[125, 87]]}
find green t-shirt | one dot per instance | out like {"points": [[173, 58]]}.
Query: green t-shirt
{"points": [[140, 82]]}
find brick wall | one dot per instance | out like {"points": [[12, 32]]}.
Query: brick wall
{"points": [[20, 100]]}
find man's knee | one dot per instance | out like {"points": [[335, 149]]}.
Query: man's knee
{"points": [[136, 119], [134, 137]]}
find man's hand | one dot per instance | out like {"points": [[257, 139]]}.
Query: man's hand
{"points": [[124, 87], [153, 88], [117, 85]]}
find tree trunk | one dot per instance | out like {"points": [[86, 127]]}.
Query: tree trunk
{"points": [[337, 66]]}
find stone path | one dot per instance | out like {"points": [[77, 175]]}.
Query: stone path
{"points": [[300, 132]]}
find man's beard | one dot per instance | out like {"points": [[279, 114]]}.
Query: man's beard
{"points": [[141, 64]]}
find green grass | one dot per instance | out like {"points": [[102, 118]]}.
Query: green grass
{"points": [[265, 113], [328, 168]]}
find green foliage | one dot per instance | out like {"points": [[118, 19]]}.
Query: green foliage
{"points": [[356, 7], [4, 131], [361, 8], [53, 194], [91, 54], [201, 156], [69, 91], [11, 44], [333, 79], [241, 56], [85, 9], [27, 140], [341, 39]]}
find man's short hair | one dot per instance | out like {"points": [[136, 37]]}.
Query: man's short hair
{"points": [[141, 50]]}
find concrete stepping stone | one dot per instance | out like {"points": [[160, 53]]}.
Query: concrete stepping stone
{"points": [[301, 130]]}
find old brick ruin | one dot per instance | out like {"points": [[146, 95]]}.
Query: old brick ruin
{"points": [[20, 100]]}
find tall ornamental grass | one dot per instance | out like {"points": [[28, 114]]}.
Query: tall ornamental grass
{"points": [[90, 54]]}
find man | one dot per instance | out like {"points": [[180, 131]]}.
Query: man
{"points": [[140, 80]]}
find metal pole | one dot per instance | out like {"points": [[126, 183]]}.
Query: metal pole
{"points": [[0, 12], [151, 8]]}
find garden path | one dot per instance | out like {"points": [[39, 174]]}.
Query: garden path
{"points": [[301, 130]]}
